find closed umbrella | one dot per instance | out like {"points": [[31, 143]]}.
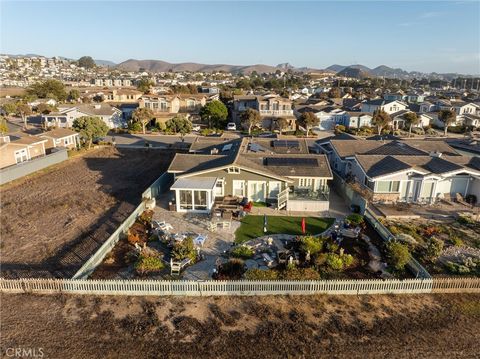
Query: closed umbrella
{"points": [[264, 223], [303, 225]]}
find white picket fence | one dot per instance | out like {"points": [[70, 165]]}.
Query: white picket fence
{"points": [[239, 288]]}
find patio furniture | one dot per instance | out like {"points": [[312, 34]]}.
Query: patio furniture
{"points": [[176, 267], [179, 237], [200, 240], [268, 260], [163, 226], [212, 226], [227, 214]]}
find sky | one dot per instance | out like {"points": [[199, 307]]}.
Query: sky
{"points": [[440, 36]]}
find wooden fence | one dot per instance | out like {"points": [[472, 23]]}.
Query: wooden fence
{"points": [[239, 288]]}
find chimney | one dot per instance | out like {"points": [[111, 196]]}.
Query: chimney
{"points": [[4, 139], [436, 154]]}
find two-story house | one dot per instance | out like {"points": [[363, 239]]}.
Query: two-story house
{"points": [[65, 116], [380, 104]]}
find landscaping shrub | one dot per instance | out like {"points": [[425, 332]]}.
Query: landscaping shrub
{"points": [[135, 127], [434, 249], [339, 129], [355, 219], [398, 254], [147, 264], [430, 231], [293, 273], [456, 241], [258, 274], [338, 262], [311, 244], [418, 131], [137, 233], [184, 249], [431, 132], [146, 217], [133, 238], [471, 199], [242, 252], [465, 220], [233, 269]]}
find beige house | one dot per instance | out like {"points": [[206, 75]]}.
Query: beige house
{"points": [[18, 148], [270, 107], [122, 95], [60, 137]]}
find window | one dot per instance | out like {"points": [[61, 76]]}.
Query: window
{"points": [[163, 106], [219, 188], [238, 188], [306, 182], [21, 155], [186, 199], [233, 170], [274, 189], [200, 200], [190, 103], [388, 186]]}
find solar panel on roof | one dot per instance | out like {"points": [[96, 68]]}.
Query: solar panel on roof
{"points": [[286, 144], [227, 147], [295, 162]]}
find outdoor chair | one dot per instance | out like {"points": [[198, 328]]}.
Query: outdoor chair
{"points": [[248, 207], [200, 240]]}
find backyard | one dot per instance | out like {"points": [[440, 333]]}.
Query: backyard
{"points": [[53, 221], [387, 326], [252, 226], [443, 247]]}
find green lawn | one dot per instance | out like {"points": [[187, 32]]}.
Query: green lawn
{"points": [[252, 226]]}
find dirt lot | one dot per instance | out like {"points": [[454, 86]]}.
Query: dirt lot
{"points": [[426, 326], [53, 221]]}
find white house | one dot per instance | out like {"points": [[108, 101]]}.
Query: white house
{"points": [[112, 116], [387, 106]]}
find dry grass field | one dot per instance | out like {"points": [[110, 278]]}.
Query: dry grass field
{"points": [[403, 326], [53, 221]]}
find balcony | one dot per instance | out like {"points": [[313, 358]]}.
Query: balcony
{"points": [[276, 112], [309, 195]]}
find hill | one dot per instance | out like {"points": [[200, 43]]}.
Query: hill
{"points": [[354, 72]]}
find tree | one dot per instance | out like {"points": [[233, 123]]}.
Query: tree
{"points": [[215, 113], [45, 109], [447, 117], [73, 95], [282, 124], [86, 62], [90, 128], [179, 124], [143, 116], [250, 118], [53, 89], [9, 108], [3, 125], [334, 92], [23, 110], [381, 119], [308, 120], [144, 85], [398, 254], [412, 120]]}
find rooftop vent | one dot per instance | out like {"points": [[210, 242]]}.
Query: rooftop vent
{"points": [[436, 154], [214, 151]]}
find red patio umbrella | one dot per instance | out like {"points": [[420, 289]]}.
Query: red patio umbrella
{"points": [[303, 225]]}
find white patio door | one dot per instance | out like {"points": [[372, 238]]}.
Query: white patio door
{"points": [[256, 191]]}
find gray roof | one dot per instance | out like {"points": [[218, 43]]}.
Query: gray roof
{"points": [[206, 183]]}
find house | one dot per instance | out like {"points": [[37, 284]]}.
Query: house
{"points": [[387, 106], [328, 116], [426, 107], [396, 96], [64, 118], [420, 171], [17, 148], [413, 97], [60, 137], [270, 107], [122, 95], [281, 173], [358, 120]]}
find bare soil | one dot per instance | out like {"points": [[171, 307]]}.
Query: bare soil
{"points": [[403, 326], [53, 221]]}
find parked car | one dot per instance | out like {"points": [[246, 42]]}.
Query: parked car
{"points": [[196, 128], [231, 126]]}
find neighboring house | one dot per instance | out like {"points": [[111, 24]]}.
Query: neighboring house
{"points": [[281, 173], [410, 170], [396, 96], [17, 148], [387, 106], [64, 118], [60, 137], [426, 107], [270, 108], [414, 98], [328, 116], [122, 95], [358, 120], [39, 101], [352, 104]]}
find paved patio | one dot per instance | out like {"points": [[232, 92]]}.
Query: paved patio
{"points": [[413, 211]]}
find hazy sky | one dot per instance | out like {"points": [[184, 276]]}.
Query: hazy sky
{"points": [[441, 36]]}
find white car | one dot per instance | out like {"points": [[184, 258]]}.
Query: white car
{"points": [[196, 128], [231, 126]]}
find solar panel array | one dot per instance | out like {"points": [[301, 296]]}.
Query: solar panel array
{"points": [[285, 144], [294, 162]]}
